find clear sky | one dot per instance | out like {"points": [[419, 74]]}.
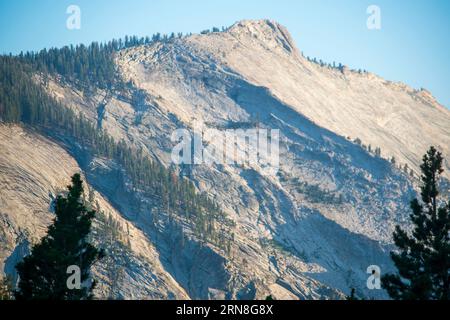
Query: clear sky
{"points": [[412, 46]]}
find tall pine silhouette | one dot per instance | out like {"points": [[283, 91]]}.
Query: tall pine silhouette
{"points": [[43, 274], [423, 260]]}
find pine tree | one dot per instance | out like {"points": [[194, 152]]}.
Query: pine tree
{"points": [[405, 168], [393, 161], [378, 152], [352, 295], [423, 260], [43, 274]]}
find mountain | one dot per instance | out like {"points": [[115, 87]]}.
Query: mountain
{"points": [[307, 231], [346, 102], [33, 171]]}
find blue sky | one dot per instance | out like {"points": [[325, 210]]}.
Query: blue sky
{"points": [[412, 45]]}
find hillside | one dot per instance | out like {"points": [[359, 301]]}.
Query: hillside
{"points": [[400, 120], [308, 230], [33, 170]]}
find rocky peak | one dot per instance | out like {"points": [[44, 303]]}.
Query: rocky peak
{"points": [[268, 32]]}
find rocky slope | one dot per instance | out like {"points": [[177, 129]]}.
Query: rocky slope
{"points": [[403, 121], [33, 170], [308, 231]]}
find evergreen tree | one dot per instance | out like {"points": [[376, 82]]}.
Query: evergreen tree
{"points": [[43, 274], [405, 168], [378, 152], [24, 101], [393, 161], [423, 260], [352, 295]]}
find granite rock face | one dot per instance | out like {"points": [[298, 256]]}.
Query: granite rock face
{"points": [[309, 230]]}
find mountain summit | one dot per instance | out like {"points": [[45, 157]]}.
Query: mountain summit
{"points": [[310, 231], [268, 32], [400, 120]]}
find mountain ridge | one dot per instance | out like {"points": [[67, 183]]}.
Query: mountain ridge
{"points": [[308, 232], [283, 81]]}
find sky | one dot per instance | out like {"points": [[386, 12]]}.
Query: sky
{"points": [[411, 46]]}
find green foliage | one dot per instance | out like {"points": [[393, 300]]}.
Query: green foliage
{"points": [[43, 274], [316, 194], [333, 65], [89, 66], [23, 101], [378, 152], [116, 242], [277, 245], [423, 259]]}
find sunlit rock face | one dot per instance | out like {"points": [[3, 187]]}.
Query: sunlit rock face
{"points": [[307, 231]]}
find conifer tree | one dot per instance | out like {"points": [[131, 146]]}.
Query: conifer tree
{"points": [[423, 259], [378, 152], [352, 295], [43, 274], [393, 161]]}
